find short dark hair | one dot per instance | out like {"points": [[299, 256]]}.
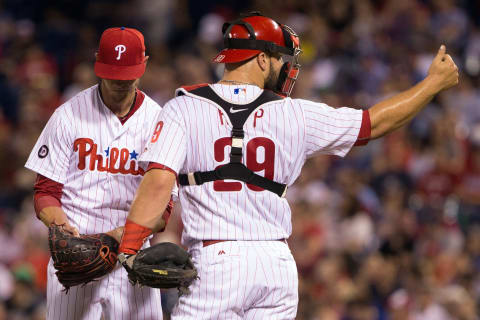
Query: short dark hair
{"points": [[234, 65]]}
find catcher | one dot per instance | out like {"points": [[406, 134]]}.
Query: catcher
{"points": [[236, 149]]}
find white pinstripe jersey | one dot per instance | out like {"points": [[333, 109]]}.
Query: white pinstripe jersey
{"points": [[193, 134], [85, 147]]}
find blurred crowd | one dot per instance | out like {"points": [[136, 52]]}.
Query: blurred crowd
{"points": [[390, 232]]}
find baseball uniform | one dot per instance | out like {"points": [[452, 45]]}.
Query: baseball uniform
{"points": [[88, 149], [255, 276]]}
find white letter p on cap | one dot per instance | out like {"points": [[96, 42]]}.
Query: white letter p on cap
{"points": [[121, 49]]}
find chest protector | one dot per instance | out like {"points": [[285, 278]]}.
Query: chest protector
{"points": [[235, 169]]}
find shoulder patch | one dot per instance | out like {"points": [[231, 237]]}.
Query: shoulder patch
{"points": [[43, 151]]}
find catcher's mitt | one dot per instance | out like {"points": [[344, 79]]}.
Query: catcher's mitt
{"points": [[163, 265], [79, 260]]}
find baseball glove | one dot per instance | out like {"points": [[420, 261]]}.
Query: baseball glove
{"points": [[163, 265], [79, 260]]}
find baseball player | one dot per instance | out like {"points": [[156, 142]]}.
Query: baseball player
{"points": [[87, 164], [235, 147]]}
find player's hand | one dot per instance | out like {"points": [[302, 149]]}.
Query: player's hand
{"points": [[116, 233], [55, 215], [71, 229], [443, 71], [66, 227]]}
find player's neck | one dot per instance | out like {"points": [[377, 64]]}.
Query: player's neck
{"points": [[119, 103], [241, 77]]}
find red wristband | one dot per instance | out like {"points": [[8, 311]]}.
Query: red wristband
{"points": [[134, 236]]}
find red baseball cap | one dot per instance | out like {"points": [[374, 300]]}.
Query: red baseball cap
{"points": [[121, 54]]}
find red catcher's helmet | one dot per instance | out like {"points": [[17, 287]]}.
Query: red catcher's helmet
{"points": [[246, 37]]}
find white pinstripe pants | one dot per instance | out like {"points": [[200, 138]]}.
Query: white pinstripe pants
{"points": [[241, 280], [112, 296]]}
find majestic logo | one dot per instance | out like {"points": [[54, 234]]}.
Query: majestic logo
{"points": [[121, 49], [43, 152], [116, 160], [236, 110]]}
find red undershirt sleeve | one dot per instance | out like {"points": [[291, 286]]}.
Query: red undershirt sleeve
{"points": [[365, 130], [47, 193], [154, 165]]}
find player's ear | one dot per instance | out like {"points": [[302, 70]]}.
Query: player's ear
{"points": [[146, 59], [96, 56], [262, 61]]}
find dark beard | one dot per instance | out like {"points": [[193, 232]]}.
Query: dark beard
{"points": [[272, 79]]}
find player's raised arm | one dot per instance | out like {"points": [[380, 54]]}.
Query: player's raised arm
{"points": [[396, 111]]}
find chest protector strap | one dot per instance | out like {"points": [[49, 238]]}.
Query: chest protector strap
{"points": [[235, 169]]}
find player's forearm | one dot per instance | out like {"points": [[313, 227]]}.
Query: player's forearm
{"points": [[396, 111], [152, 198], [145, 215]]}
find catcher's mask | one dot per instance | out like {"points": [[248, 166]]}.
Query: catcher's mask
{"points": [[246, 37]]}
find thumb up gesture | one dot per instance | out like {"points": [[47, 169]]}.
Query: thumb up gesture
{"points": [[443, 70]]}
